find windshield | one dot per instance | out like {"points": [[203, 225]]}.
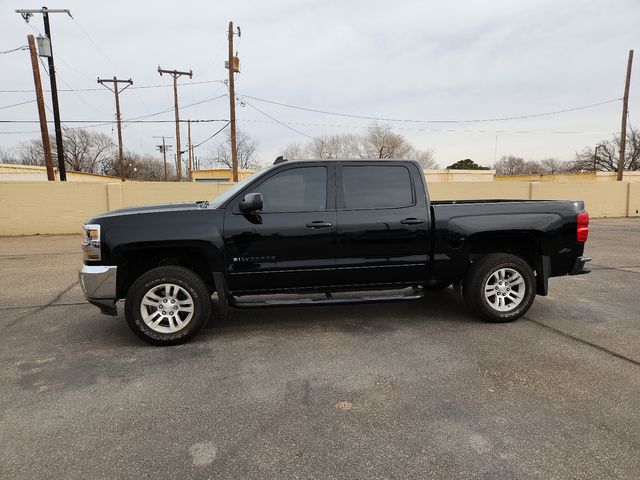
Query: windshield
{"points": [[227, 195]]}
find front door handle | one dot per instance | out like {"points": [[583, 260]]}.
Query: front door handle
{"points": [[319, 224], [412, 221]]}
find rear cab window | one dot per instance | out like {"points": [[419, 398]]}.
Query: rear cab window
{"points": [[376, 186]]}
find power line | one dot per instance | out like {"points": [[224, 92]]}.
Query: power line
{"points": [[278, 121], [17, 104], [46, 70], [94, 43], [478, 120], [97, 123], [23, 47], [206, 100], [215, 59], [309, 124], [209, 138], [109, 122], [139, 87], [102, 123], [445, 130], [102, 52]]}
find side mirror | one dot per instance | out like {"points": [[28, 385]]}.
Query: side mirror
{"points": [[251, 202]]}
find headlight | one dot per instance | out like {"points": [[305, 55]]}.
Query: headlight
{"points": [[91, 243]]}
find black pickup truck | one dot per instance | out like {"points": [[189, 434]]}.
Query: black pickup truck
{"points": [[319, 227]]}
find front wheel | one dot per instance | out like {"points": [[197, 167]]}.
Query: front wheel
{"points": [[499, 287], [167, 305]]}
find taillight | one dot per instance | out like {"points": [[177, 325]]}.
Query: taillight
{"points": [[582, 233]]}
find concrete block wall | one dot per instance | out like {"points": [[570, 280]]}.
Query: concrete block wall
{"points": [[28, 208]]}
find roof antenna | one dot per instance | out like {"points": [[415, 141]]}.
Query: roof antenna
{"points": [[280, 159]]}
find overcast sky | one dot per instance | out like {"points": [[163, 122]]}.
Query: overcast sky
{"points": [[420, 60]]}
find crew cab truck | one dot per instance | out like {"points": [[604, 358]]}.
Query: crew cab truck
{"points": [[322, 226]]}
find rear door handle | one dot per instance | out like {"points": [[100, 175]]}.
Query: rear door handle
{"points": [[412, 221], [319, 224]]}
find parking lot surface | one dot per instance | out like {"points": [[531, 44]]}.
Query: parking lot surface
{"points": [[411, 390]]}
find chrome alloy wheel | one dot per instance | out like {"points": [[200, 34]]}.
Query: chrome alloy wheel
{"points": [[504, 290], [166, 308]]}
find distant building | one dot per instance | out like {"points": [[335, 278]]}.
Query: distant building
{"points": [[218, 175], [32, 173]]}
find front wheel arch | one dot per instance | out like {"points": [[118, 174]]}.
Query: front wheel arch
{"points": [[183, 278]]}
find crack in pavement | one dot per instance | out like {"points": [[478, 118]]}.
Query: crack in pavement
{"points": [[42, 307], [585, 342], [620, 269]]}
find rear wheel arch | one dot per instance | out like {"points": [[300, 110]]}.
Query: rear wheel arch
{"points": [[526, 245]]}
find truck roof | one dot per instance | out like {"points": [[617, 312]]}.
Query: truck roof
{"points": [[283, 160]]}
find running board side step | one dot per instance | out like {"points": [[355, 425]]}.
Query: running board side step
{"points": [[326, 301]]}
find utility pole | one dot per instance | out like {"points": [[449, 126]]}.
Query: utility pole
{"points": [[233, 64], [27, 14], [176, 74], [164, 156], [163, 148], [46, 145], [625, 105], [117, 92], [190, 149]]}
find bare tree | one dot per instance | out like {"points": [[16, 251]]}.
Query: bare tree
{"points": [[553, 166], [293, 151], [140, 167], [87, 151], [510, 165], [341, 145], [84, 151], [149, 168], [8, 156], [381, 142], [31, 152], [604, 156], [425, 158], [246, 145]]}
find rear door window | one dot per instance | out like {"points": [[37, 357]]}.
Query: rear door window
{"points": [[373, 186]]}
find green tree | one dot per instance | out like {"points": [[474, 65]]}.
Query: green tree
{"points": [[466, 164]]}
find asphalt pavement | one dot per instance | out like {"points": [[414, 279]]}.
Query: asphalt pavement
{"points": [[405, 390]]}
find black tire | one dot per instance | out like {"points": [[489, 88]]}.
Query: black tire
{"points": [[174, 275], [437, 286], [473, 288]]}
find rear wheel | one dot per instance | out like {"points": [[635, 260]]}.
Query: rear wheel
{"points": [[167, 305], [499, 287]]}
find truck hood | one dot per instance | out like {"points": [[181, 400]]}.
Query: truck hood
{"points": [[167, 207]]}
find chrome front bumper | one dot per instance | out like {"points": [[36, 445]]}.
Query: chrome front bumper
{"points": [[98, 283]]}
